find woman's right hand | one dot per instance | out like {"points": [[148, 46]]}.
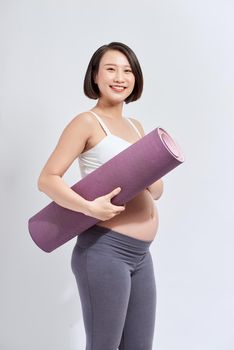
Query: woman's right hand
{"points": [[101, 207]]}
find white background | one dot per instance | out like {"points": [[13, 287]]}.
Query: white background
{"points": [[186, 53]]}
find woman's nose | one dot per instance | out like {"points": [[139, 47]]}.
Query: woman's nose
{"points": [[119, 76]]}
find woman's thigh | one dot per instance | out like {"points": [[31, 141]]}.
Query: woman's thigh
{"points": [[104, 285], [139, 325]]}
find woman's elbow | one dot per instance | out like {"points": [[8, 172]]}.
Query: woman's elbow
{"points": [[156, 189], [40, 183], [159, 192], [162, 188]]}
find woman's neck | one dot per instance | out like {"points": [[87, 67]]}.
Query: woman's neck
{"points": [[110, 111]]}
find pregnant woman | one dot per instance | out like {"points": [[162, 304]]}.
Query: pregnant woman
{"points": [[111, 261]]}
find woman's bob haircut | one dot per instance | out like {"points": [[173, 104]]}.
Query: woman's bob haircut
{"points": [[91, 89]]}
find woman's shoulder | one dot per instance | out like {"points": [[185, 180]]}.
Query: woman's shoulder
{"points": [[82, 120], [84, 116]]}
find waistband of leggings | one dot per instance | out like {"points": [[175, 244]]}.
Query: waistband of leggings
{"points": [[99, 231]]}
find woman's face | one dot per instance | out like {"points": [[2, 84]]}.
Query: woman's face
{"points": [[114, 69]]}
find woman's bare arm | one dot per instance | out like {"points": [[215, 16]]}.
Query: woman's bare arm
{"points": [[71, 143], [156, 189], [56, 188]]}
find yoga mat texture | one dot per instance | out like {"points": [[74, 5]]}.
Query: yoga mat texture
{"points": [[133, 169]]}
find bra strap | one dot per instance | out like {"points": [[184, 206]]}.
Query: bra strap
{"points": [[107, 131], [134, 127]]}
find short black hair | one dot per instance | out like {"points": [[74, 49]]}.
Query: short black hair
{"points": [[91, 89]]}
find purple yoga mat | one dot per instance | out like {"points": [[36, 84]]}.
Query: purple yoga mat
{"points": [[133, 169]]}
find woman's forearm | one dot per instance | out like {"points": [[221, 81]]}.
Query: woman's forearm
{"points": [[156, 189], [55, 187]]}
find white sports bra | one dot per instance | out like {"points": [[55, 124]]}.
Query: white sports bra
{"points": [[104, 150]]}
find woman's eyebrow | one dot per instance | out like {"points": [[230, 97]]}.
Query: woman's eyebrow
{"points": [[113, 64]]}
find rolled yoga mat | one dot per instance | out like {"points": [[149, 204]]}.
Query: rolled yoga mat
{"points": [[133, 169]]}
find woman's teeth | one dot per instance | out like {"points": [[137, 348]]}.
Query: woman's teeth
{"points": [[117, 88]]}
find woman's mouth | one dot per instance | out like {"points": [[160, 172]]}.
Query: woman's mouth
{"points": [[117, 88]]}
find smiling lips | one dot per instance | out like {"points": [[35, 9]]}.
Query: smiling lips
{"points": [[117, 88]]}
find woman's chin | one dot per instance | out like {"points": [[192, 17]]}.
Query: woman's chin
{"points": [[113, 99]]}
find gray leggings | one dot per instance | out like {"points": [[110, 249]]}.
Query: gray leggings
{"points": [[116, 283]]}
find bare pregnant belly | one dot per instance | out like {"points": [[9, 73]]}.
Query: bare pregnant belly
{"points": [[138, 220]]}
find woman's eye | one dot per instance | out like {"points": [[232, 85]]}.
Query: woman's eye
{"points": [[127, 70]]}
